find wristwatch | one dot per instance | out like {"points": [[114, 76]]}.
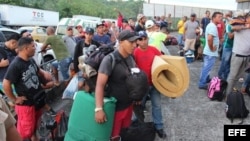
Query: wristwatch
{"points": [[98, 109]]}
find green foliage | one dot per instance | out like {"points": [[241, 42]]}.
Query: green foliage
{"points": [[98, 8]]}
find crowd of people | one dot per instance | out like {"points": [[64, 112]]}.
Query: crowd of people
{"points": [[143, 39]]}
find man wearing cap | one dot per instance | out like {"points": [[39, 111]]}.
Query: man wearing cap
{"points": [[81, 32], [190, 32], [70, 40], [144, 56], [156, 39], [117, 86], [125, 25], [141, 19], [100, 36]]}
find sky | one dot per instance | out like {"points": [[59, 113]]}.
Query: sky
{"points": [[215, 4]]}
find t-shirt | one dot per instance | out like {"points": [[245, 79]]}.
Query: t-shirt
{"points": [[105, 39], [24, 75], [156, 39], [138, 28], [211, 30], [228, 43], [191, 29], [205, 21], [71, 44], [58, 46], [241, 44], [79, 52], [116, 81], [5, 53], [182, 25], [144, 60], [220, 28]]}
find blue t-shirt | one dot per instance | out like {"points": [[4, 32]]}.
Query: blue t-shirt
{"points": [[105, 39], [211, 30]]}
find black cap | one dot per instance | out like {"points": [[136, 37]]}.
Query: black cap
{"points": [[124, 20], [127, 35], [89, 30]]}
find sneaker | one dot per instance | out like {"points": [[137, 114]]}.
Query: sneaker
{"points": [[161, 133], [203, 87], [51, 112]]}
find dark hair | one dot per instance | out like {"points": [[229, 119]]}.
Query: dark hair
{"points": [[207, 11], [14, 36], [24, 41], [22, 32], [215, 14]]}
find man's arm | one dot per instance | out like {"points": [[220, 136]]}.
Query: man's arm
{"points": [[240, 27], [9, 93], [210, 41]]}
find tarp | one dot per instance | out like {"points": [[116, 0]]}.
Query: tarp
{"points": [[170, 75]]}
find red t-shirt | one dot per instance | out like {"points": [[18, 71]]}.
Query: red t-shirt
{"points": [[220, 28], [144, 59]]}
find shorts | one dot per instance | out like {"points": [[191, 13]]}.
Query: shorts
{"points": [[27, 120], [122, 119], [189, 44]]}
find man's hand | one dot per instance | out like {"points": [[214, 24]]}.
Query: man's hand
{"points": [[100, 117], [214, 49], [20, 100], [5, 62]]}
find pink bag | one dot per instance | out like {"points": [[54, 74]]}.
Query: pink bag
{"points": [[217, 89]]}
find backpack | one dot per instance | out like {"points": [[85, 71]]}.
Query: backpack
{"points": [[236, 107], [139, 131], [94, 60], [96, 57], [217, 89]]}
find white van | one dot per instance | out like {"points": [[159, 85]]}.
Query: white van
{"points": [[65, 22]]}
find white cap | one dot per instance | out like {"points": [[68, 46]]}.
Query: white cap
{"points": [[149, 24]]}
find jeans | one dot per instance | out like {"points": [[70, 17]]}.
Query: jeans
{"points": [[247, 81], [155, 98], [180, 40], [208, 64], [63, 66], [225, 63]]}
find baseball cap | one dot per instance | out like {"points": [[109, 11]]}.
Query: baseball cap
{"points": [[124, 20], [140, 16], [142, 33], [149, 24], [127, 35], [79, 25], [69, 27], [193, 15], [89, 30], [99, 24]]}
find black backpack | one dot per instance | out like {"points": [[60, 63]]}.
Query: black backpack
{"points": [[96, 57], [236, 107]]}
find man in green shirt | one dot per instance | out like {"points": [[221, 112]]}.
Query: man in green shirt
{"points": [[61, 53]]}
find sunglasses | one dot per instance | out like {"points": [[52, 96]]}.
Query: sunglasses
{"points": [[142, 39]]}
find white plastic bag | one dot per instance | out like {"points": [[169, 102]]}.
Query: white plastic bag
{"points": [[71, 89]]}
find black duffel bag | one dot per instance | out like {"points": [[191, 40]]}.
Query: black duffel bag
{"points": [[137, 84], [139, 131]]}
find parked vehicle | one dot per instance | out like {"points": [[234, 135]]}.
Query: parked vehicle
{"points": [[10, 16], [38, 33], [65, 22], [49, 55]]}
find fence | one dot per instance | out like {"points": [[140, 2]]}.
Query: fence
{"points": [[151, 10]]}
